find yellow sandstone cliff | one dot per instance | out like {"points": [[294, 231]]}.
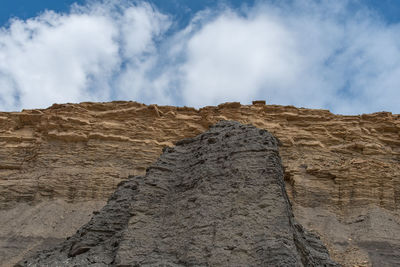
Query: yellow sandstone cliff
{"points": [[57, 165]]}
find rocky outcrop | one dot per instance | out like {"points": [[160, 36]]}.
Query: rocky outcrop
{"points": [[342, 173], [217, 199]]}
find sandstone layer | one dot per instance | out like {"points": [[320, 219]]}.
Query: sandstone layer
{"points": [[217, 199], [342, 173]]}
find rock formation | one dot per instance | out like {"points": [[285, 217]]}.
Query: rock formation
{"points": [[57, 165], [217, 199]]}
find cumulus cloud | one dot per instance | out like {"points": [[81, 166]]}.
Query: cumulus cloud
{"points": [[319, 54], [76, 56]]}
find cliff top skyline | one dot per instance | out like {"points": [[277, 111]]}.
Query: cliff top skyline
{"points": [[342, 56]]}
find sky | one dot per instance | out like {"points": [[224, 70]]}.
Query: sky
{"points": [[338, 55]]}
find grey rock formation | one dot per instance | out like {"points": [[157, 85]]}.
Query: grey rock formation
{"points": [[217, 199]]}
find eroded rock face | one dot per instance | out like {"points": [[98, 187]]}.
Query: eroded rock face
{"points": [[218, 199], [342, 173]]}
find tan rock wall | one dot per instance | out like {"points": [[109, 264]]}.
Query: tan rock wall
{"points": [[80, 152]]}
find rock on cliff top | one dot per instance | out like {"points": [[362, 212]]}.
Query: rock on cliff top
{"points": [[217, 199]]}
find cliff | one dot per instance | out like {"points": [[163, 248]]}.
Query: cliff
{"points": [[57, 165], [217, 199]]}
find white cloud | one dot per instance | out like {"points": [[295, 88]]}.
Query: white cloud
{"points": [[51, 58], [74, 57], [322, 54], [233, 58]]}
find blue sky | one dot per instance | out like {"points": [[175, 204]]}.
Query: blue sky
{"points": [[182, 9], [339, 55]]}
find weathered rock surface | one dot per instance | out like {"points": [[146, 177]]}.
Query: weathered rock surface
{"points": [[26, 229], [218, 199], [342, 173]]}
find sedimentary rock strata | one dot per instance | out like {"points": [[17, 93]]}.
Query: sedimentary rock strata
{"points": [[218, 199], [342, 173]]}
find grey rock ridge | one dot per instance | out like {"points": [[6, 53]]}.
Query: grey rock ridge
{"points": [[217, 199]]}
